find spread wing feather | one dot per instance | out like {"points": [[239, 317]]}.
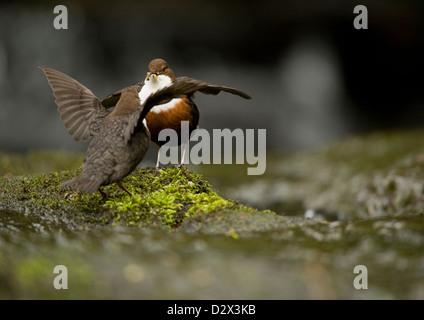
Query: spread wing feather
{"points": [[80, 110], [193, 85], [202, 86]]}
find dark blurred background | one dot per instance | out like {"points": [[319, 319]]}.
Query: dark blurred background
{"points": [[314, 78]]}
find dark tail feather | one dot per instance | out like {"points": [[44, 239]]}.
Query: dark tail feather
{"points": [[83, 184]]}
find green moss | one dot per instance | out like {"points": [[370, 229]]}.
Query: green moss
{"points": [[166, 198], [160, 199]]}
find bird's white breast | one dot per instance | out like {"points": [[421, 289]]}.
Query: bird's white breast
{"points": [[166, 106]]}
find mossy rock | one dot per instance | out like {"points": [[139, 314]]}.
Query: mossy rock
{"points": [[362, 176], [161, 199]]}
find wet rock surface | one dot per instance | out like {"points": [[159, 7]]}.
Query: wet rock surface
{"points": [[363, 196]]}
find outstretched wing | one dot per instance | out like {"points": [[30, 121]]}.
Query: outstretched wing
{"points": [[183, 86], [193, 85], [80, 110], [202, 86]]}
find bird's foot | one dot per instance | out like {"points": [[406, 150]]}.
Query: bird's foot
{"points": [[104, 195], [125, 189], [71, 195]]}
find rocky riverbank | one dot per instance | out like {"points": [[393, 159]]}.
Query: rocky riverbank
{"points": [[212, 233]]}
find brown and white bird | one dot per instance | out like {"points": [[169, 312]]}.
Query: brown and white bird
{"points": [[171, 114], [120, 138]]}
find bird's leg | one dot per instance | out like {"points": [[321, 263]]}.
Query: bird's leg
{"points": [[158, 161], [183, 155], [123, 188], [104, 195]]}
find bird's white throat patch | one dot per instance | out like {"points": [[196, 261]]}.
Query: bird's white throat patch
{"points": [[152, 85]]}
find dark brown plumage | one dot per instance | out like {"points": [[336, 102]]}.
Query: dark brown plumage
{"points": [[120, 139]]}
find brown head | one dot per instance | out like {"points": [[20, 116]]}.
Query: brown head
{"points": [[159, 67]]}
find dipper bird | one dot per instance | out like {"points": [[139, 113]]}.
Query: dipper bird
{"points": [[120, 138], [171, 114]]}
